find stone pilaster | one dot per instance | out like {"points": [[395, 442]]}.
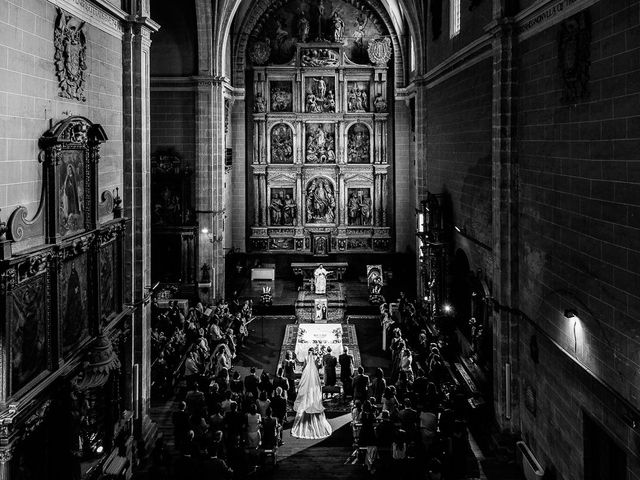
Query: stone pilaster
{"points": [[137, 188], [505, 218], [210, 175]]}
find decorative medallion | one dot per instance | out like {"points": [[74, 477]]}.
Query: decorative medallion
{"points": [[380, 51], [260, 52], [70, 56]]}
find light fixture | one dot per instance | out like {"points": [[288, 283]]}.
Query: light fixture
{"points": [[447, 308], [570, 314], [212, 239], [457, 229]]}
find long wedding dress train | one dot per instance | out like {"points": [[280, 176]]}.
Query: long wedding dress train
{"points": [[310, 421]]}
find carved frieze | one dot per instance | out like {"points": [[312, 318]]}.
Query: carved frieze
{"points": [[319, 57], [70, 56]]}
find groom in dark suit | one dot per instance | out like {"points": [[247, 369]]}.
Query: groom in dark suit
{"points": [[329, 362], [346, 371]]}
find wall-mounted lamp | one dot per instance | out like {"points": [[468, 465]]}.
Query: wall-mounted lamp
{"points": [[210, 236], [447, 309], [571, 315]]}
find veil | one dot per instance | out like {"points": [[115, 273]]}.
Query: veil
{"points": [[309, 397]]}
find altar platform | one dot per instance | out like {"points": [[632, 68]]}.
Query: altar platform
{"points": [[299, 337], [334, 300]]}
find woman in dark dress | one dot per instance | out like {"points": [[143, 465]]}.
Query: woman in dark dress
{"points": [[289, 366]]}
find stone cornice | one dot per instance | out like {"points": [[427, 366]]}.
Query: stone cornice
{"points": [[98, 13], [546, 13]]}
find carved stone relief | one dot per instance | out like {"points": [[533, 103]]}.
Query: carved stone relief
{"points": [[281, 97], [70, 56], [358, 144], [320, 201], [282, 207], [380, 51], [359, 206], [319, 57], [320, 143], [281, 144], [320, 95], [357, 96]]}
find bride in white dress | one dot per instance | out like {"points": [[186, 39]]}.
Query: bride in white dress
{"points": [[310, 421]]}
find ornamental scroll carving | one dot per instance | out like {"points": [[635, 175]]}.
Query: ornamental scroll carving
{"points": [[70, 56], [380, 51]]}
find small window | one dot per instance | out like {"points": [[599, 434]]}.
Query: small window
{"points": [[454, 18], [412, 58]]}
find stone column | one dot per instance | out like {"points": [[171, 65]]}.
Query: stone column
{"points": [[505, 216], [262, 189], [136, 43], [299, 198], [344, 199], [6, 454], [383, 199], [256, 200]]}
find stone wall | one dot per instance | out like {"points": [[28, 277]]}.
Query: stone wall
{"points": [[459, 147], [29, 101], [579, 222], [173, 122], [574, 232]]}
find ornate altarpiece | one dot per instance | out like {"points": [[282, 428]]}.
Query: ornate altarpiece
{"points": [[65, 331], [320, 162]]}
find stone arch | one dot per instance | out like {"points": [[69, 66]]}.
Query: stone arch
{"points": [[262, 6]]}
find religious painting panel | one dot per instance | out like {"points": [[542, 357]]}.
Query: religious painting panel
{"points": [[358, 96], [281, 143], [281, 96], [27, 324], [359, 206], [302, 21], [320, 94], [74, 302], [282, 207], [320, 201], [71, 175], [358, 144], [107, 282], [320, 143]]}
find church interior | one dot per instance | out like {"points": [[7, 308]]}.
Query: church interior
{"points": [[437, 200]]}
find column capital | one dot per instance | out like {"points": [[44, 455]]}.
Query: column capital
{"points": [[6, 453]]}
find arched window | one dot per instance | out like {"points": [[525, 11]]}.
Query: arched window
{"points": [[454, 18]]}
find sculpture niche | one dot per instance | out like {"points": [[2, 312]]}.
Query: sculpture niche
{"points": [[321, 202]]}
